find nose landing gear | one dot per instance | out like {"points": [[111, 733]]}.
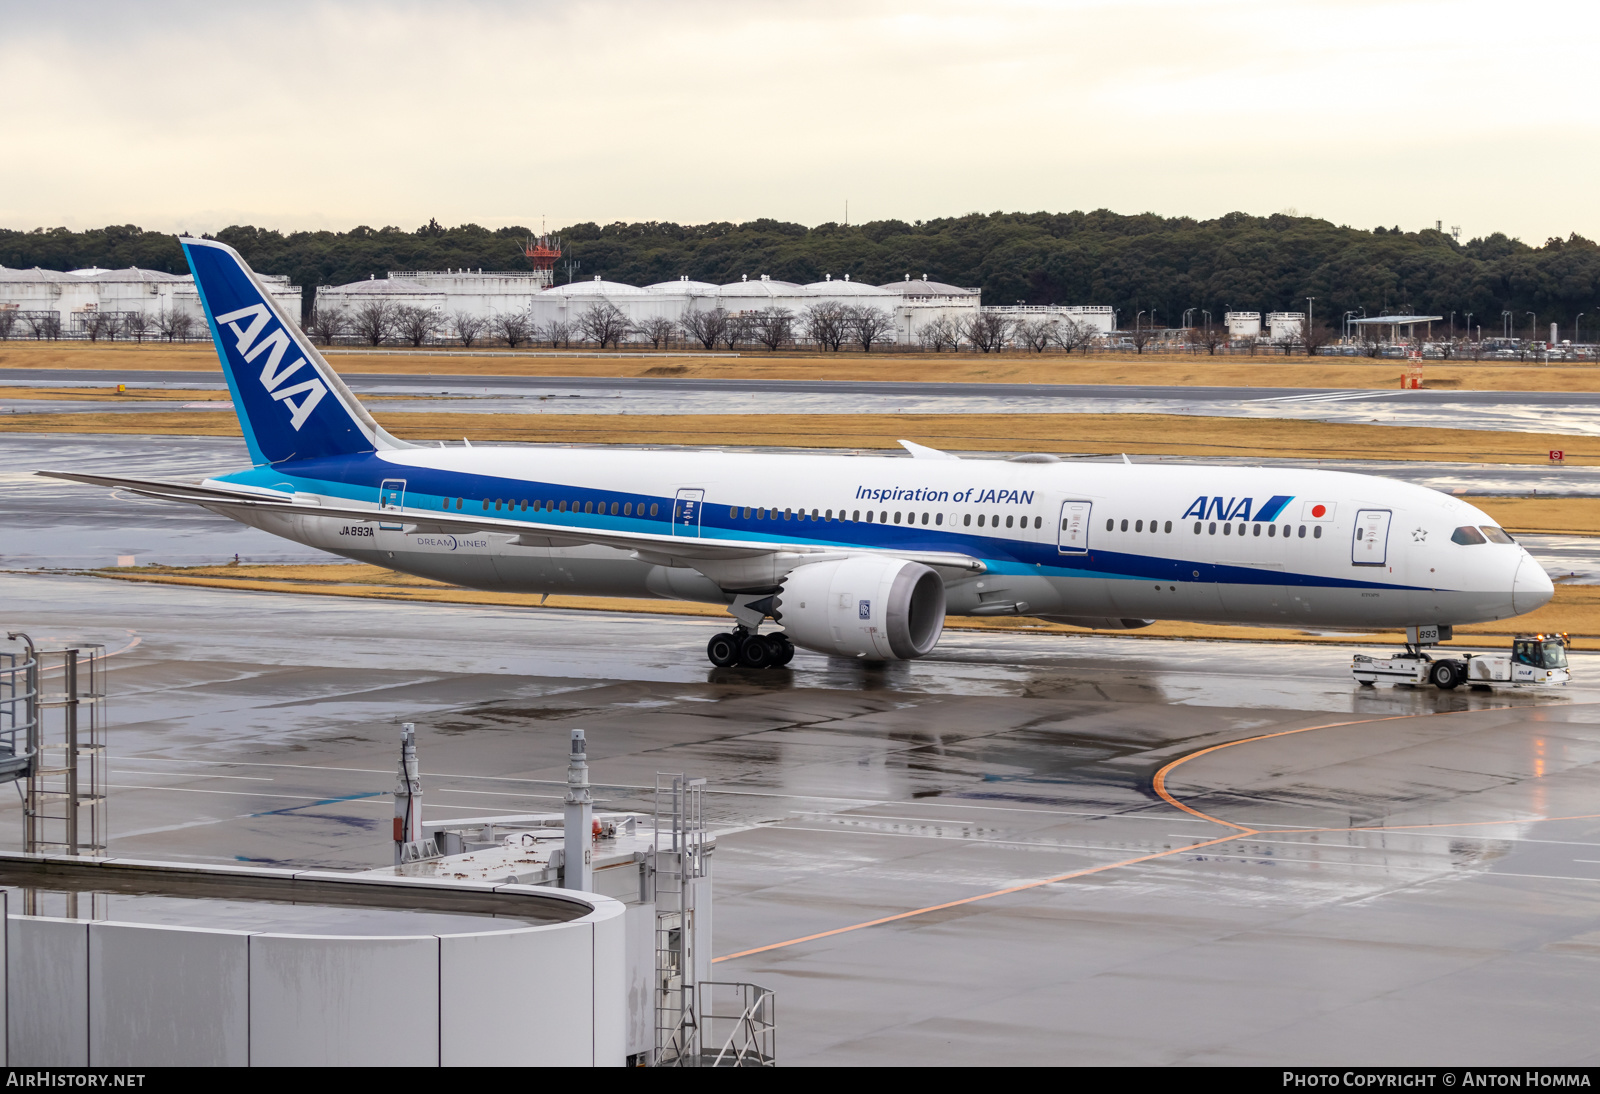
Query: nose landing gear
{"points": [[748, 650]]}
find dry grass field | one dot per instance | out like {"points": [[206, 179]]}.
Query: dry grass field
{"points": [[1575, 609], [1178, 370], [1134, 434]]}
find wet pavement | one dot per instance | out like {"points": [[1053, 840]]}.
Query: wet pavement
{"points": [[1370, 875], [1575, 413]]}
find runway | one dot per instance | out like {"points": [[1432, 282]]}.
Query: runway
{"points": [[1531, 411], [1407, 871]]}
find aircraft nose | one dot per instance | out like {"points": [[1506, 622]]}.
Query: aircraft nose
{"points": [[1531, 587]]}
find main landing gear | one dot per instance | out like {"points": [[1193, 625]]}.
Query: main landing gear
{"points": [[749, 651]]}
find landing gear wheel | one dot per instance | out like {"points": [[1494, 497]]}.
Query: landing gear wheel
{"points": [[782, 650], [1445, 675], [723, 649], [754, 652]]}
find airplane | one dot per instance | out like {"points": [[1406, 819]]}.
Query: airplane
{"points": [[853, 556]]}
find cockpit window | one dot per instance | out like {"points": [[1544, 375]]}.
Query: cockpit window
{"points": [[1496, 535], [1467, 535]]}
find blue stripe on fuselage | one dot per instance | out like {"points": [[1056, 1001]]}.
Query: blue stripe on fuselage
{"points": [[358, 477]]}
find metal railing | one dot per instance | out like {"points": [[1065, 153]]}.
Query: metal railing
{"points": [[64, 803], [738, 1024], [19, 709], [679, 861]]}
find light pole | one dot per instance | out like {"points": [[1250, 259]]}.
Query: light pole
{"points": [[1452, 326], [1531, 319], [1184, 322], [1344, 325], [1469, 325], [1577, 331], [1505, 325]]}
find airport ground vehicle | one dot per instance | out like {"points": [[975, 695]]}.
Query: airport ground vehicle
{"points": [[1535, 659]]}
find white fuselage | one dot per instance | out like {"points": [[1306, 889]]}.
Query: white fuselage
{"points": [[1178, 542]]}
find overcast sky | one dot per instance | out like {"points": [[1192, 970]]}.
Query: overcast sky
{"points": [[332, 114]]}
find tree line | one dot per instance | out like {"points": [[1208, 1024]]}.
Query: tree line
{"points": [[827, 325], [1159, 265]]}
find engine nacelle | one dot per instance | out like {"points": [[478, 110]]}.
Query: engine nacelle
{"points": [[1098, 624], [883, 609]]}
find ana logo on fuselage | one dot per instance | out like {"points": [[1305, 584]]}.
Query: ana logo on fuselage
{"points": [[252, 345], [1216, 508]]}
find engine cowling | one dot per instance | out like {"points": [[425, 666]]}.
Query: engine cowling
{"points": [[882, 609], [1096, 623]]}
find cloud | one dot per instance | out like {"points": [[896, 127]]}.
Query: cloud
{"points": [[331, 114]]}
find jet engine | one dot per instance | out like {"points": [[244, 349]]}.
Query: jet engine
{"points": [[1098, 624], [883, 609]]}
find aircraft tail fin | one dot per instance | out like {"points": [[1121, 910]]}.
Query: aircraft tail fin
{"points": [[291, 404]]}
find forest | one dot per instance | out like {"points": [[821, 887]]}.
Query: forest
{"points": [[1159, 265]]}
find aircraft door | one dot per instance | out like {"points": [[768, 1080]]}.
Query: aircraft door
{"points": [[1072, 536], [686, 512], [1370, 545], [391, 495]]}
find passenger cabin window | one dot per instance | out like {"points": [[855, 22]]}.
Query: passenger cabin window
{"points": [[1467, 536], [1496, 535], [653, 508]]}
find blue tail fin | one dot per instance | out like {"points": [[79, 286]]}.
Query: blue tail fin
{"points": [[291, 405]]}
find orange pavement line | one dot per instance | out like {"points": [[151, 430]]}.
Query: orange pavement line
{"points": [[1159, 782], [981, 896]]}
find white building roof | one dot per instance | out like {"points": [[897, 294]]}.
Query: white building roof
{"points": [[132, 273], [596, 287], [924, 287], [843, 288], [762, 287], [35, 274], [1387, 320], [389, 286], [684, 285]]}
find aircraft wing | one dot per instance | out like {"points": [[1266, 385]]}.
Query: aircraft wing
{"points": [[528, 533]]}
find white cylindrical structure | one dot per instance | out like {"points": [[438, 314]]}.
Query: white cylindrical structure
{"points": [[407, 794], [578, 854]]}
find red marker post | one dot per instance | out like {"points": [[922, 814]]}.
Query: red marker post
{"points": [[1557, 456]]}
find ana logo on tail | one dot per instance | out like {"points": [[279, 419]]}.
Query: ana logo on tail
{"points": [[275, 345]]}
